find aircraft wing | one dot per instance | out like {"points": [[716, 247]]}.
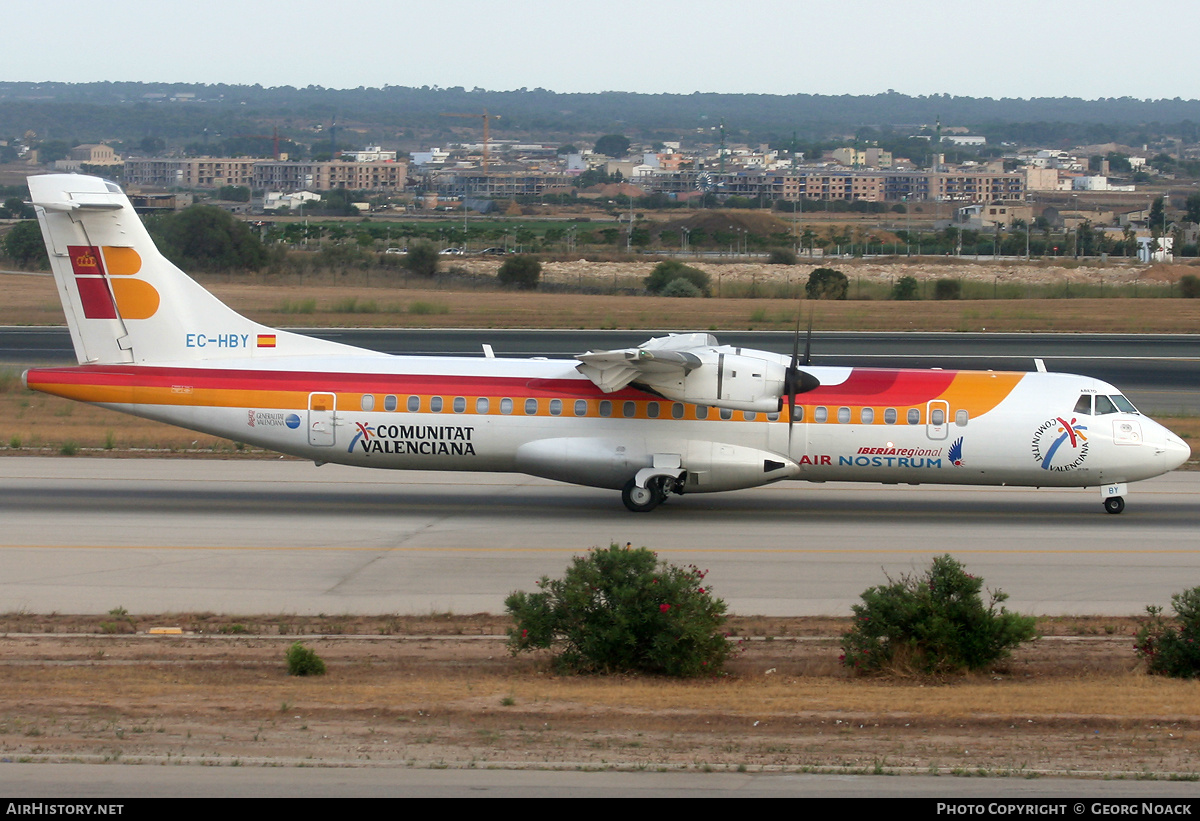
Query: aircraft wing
{"points": [[661, 358]]}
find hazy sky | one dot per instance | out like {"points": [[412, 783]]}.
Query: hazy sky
{"points": [[1018, 48]]}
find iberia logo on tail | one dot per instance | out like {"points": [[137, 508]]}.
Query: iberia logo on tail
{"points": [[108, 289]]}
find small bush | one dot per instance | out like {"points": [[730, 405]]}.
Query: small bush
{"points": [[669, 270], [1172, 649], [947, 289], [621, 610], [680, 288], [422, 260], [905, 288], [521, 271], [782, 256], [826, 283], [933, 624], [302, 661], [1189, 286]]}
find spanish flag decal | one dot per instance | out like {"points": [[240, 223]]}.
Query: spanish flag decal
{"points": [[266, 340]]}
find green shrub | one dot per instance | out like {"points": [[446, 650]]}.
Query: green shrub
{"points": [[422, 260], [521, 271], [669, 270], [826, 283], [680, 288], [1172, 649], [947, 289], [782, 256], [302, 661], [621, 610], [905, 288], [933, 624], [1189, 286]]}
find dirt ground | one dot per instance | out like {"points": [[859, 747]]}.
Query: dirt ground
{"points": [[442, 691]]}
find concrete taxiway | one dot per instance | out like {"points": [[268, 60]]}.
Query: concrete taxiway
{"points": [[85, 535]]}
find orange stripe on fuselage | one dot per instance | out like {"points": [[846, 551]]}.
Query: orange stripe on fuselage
{"points": [[976, 392]]}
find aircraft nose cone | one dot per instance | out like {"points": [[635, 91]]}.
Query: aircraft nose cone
{"points": [[1177, 452]]}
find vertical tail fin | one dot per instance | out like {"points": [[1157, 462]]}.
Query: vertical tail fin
{"points": [[124, 301]]}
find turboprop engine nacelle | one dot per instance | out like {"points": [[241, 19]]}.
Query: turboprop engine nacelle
{"points": [[726, 380]]}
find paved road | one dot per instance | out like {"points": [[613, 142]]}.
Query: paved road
{"points": [[88, 535], [1160, 373]]}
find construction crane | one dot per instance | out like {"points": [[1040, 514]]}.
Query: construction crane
{"points": [[487, 118], [273, 137]]}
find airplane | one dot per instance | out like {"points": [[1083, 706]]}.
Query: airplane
{"points": [[679, 414]]}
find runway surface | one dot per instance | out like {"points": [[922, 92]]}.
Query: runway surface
{"points": [[85, 535]]}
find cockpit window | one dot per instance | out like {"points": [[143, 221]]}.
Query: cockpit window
{"points": [[1084, 405], [1104, 405], [1123, 404]]}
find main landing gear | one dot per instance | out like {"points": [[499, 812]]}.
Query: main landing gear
{"points": [[1114, 504], [645, 499]]}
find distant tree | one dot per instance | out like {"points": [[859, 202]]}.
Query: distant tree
{"points": [[15, 208], [522, 271], [422, 260], [206, 238], [1157, 214], [782, 256], [612, 145], [826, 283], [1193, 209], [567, 149], [666, 272], [24, 245], [234, 193], [905, 288], [53, 150]]}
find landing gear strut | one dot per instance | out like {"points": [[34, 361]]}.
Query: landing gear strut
{"points": [[1114, 504]]}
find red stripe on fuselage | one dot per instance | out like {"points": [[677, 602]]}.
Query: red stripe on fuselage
{"points": [[864, 385]]}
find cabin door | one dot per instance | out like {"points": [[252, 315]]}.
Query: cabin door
{"points": [[322, 421]]}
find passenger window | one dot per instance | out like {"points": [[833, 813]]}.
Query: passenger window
{"points": [[531, 407], [628, 409], [889, 416], [652, 410], [460, 404], [506, 405], [914, 416], [435, 404], [481, 405], [726, 414], [1104, 405], [605, 407], [1084, 405], [701, 411], [677, 410], [414, 404], [843, 416], [937, 416], [749, 416], [960, 418], [581, 407], [799, 417], [389, 403], [555, 407], [368, 402], [868, 416], [820, 414]]}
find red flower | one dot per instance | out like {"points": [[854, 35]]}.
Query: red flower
{"points": [[662, 608]]}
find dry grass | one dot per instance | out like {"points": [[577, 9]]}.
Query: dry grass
{"points": [[1075, 705], [29, 300]]}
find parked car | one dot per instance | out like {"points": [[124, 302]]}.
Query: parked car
{"points": [[492, 252], [396, 251], [452, 252]]}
